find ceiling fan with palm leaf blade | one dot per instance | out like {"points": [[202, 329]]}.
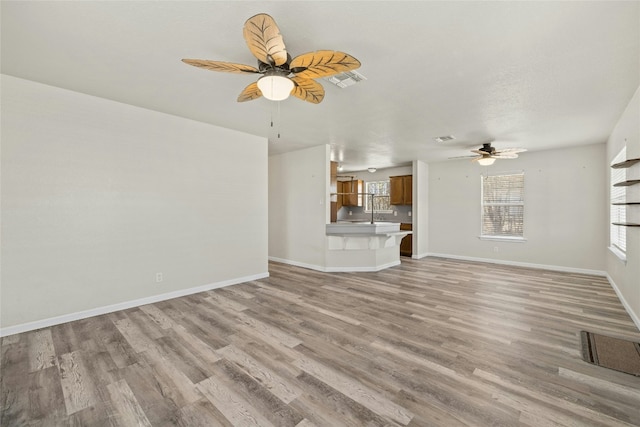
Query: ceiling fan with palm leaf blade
{"points": [[281, 75], [488, 154]]}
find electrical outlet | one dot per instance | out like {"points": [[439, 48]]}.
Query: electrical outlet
{"points": [[395, 213], [350, 213], [409, 213], [159, 277]]}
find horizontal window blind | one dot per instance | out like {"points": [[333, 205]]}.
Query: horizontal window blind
{"points": [[503, 205], [618, 234]]}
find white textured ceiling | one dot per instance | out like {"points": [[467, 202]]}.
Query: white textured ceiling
{"points": [[536, 75]]}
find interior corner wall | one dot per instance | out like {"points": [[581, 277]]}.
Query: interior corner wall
{"points": [[420, 209], [98, 197], [625, 275], [564, 210], [299, 209]]}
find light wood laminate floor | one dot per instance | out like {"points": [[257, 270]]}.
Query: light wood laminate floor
{"points": [[433, 342]]}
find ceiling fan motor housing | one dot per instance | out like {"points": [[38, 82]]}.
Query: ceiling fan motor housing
{"points": [[487, 148], [264, 67]]}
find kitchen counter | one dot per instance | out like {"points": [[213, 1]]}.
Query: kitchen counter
{"points": [[363, 246], [362, 228]]}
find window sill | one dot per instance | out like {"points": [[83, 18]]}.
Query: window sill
{"points": [[503, 239], [619, 254]]}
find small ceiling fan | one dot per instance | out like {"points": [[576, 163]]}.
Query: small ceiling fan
{"points": [[487, 154], [281, 75]]}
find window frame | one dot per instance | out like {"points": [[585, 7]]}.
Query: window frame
{"points": [[388, 195], [521, 202]]}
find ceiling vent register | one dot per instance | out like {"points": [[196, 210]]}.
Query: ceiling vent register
{"points": [[444, 138], [348, 78]]}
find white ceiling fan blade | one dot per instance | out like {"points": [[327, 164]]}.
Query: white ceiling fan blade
{"points": [[504, 156], [510, 150], [461, 157]]}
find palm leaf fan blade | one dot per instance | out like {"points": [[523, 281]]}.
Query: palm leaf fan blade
{"points": [[264, 39], [323, 63], [307, 90], [226, 67], [250, 93]]}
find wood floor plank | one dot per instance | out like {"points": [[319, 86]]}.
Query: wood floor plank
{"points": [[77, 383], [202, 414], [150, 392], [325, 406], [171, 382], [42, 353], [157, 315], [431, 342], [237, 410], [259, 395], [126, 404], [577, 411], [367, 397], [285, 390]]}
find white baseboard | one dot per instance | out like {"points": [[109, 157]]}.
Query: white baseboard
{"points": [[634, 316], [44, 323], [524, 264], [420, 256], [334, 269], [298, 264]]}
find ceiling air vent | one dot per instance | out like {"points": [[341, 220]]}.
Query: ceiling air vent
{"points": [[348, 78], [446, 138]]}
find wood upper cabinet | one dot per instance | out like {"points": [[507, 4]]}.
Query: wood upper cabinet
{"points": [[401, 190], [354, 187], [407, 183]]}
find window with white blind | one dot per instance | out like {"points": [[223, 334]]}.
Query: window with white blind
{"points": [[503, 206], [380, 200], [618, 234]]}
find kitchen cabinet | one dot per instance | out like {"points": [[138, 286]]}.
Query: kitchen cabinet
{"points": [[406, 246], [401, 190], [355, 188]]}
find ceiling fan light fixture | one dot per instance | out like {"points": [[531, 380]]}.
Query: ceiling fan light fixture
{"points": [[486, 161], [275, 87], [372, 170]]}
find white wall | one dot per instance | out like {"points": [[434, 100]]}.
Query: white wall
{"points": [[421, 209], [564, 210], [299, 185], [625, 275], [98, 197]]}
